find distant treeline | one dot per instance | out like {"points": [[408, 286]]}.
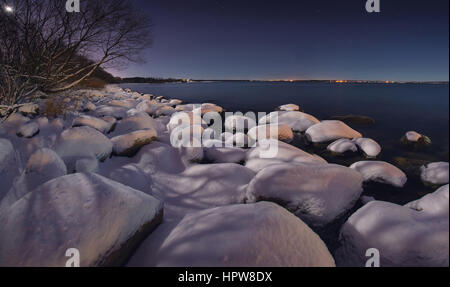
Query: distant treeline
{"points": [[149, 80]]}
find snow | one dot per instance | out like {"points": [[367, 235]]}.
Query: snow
{"points": [[128, 104], [6, 154], [89, 107], [252, 235], [285, 153], [318, 194], [165, 111], [370, 147], [84, 211], [82, 142], [380, 171], [413, 136], [93, 122], [273, 131], [129, 144], [435, 173], [225, 154], [297, 121], [210, 108], [326, 131], [111, 111], [415, 235], [342, 145], [87, 165], [289, 107], [238, 140], [239, 123], [136, 123], [28, 130], [29, 109]]}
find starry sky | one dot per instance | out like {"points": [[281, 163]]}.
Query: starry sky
{"points": [[303, 39]]}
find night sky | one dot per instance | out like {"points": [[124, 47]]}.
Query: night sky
{"points": [[303, 39]]}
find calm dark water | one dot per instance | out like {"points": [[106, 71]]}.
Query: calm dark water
{"points": [[397, 108]]}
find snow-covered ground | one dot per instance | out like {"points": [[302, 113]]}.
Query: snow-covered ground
{"points": [[106, 178]]}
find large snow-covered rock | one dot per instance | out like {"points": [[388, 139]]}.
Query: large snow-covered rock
{"points": [[128, 104], [271, 131], [111, 111], [28, 130], [342, 146], [270, 152], [136, 123], [258, 235], [103, 219], [42, 166], [326, 131], [318, 194], [93, 122], [82, 142], [210, 108], [415, 235], [368, 146], [436, 173], [380, 171], [129, 144], [298, 121]]}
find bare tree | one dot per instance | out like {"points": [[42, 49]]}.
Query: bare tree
{"points": [[44, 47]]}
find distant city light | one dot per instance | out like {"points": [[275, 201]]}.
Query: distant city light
{"points": [[9, 9]]}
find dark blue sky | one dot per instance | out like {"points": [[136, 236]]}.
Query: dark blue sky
{"points": [[303, 39]]}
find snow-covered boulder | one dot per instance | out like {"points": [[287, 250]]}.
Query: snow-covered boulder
{"points": [[271, 131], [289, 107], [93, 122], [326, 131], [298, 121], [416, 140], [89, 107], [160, 157], [129, 144], [251, 235], [185, 119], [369, 147], [136, 123], [82, 142], [164, 111], [239, 123], [28, 130], [342, 146], [414, 235], [87, 165], [134, 176], [128, 104], [436, 173], [111, 111], [103, 219], [29, 109], [270, 152], [225, 154], [318, 194], [210, 108], [380, 171], [174, 102], [42, 166]]}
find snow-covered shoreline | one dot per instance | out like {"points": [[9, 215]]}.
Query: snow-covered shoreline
{"points": [[100, 178]]}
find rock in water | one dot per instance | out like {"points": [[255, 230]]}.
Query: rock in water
{"points": [[342, 146], [369, 147], [380, 171], [82, 142], [103, 219], [289, 107], [329, 131], [415, 235], [253, 235], [318, 194], [28, 130], [297, 121], [415, 140], [436, 173], [129, 144]]}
